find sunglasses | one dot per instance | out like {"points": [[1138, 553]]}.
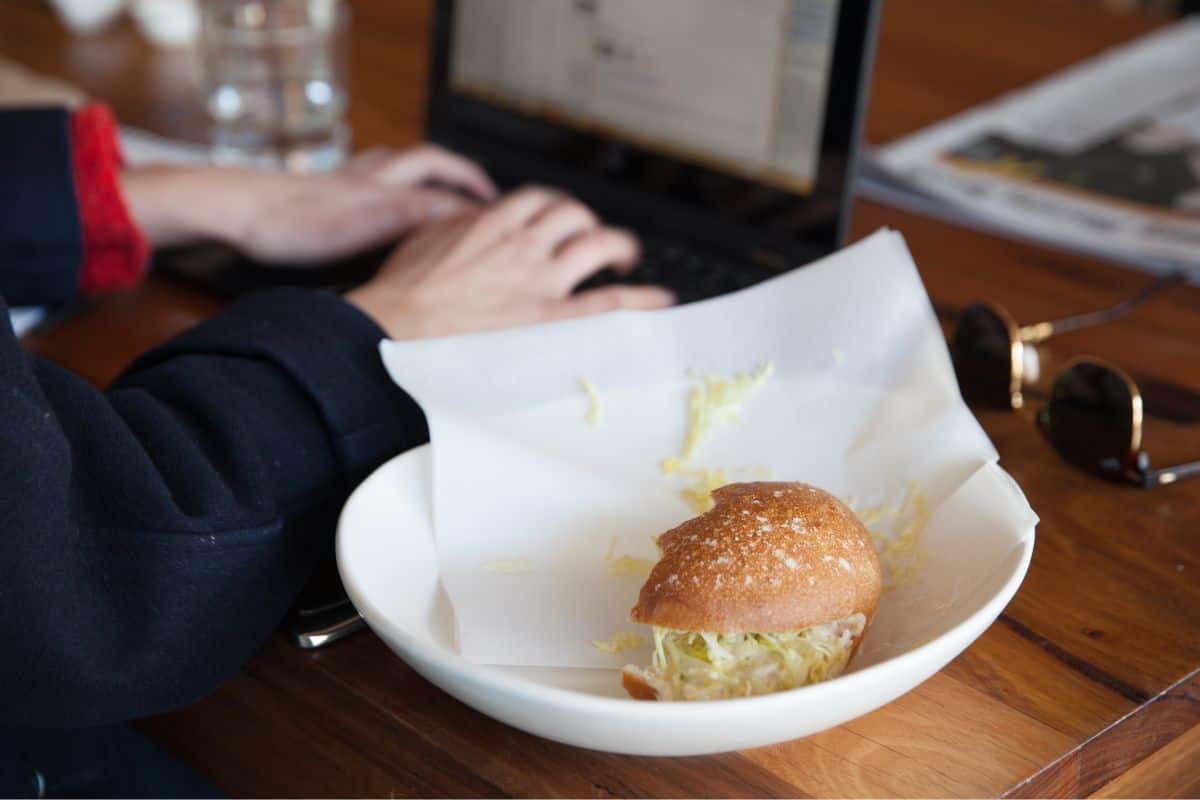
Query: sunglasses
{"points": [[1094, 414]]}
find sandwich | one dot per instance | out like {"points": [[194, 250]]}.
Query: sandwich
{"points": [[771, 589]]}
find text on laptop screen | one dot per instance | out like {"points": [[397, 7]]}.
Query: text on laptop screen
{"points": [[736, 86]]}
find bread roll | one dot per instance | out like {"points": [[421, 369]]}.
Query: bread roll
{"points": [[769, 557]]}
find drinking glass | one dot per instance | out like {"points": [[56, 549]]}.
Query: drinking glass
{"points": [[274, 81]]}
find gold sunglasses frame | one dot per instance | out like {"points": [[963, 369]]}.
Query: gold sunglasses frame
{"points": [[1137, 468], [1018, 338], [1137, 465], [1135, 399]]}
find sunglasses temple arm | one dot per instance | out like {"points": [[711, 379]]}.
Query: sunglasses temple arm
{"points": [[1044, 330], [1164, 475]]}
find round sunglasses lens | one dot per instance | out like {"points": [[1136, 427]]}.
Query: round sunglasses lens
{"points": [[1090, 417], [982, 351]]}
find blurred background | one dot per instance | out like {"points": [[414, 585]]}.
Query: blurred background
{"points": [[141, 55], [185, 69]]}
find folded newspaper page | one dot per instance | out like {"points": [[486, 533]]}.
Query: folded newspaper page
{"points": [[1103, 157]]}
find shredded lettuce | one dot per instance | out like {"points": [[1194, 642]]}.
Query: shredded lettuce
{"points": [[715, 401], [692, 665], [619, 566], [618, 642], [595, 407], [703, 483], [896, 532]]}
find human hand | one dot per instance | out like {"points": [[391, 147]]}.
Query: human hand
{"points": [[512, 264], [304, 219]]}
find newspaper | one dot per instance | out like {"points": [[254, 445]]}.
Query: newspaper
{"points": [[1103, 157]]}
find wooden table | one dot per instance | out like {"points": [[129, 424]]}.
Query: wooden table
{"points": [[1088, 684]]}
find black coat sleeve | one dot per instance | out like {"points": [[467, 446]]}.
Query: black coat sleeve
{"points": [[41, 238], [152, 536]]}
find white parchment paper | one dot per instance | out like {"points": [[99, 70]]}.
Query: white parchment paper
{"points": [[527, 496]]}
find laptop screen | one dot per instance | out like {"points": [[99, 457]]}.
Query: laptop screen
{"points": [[738, 87], [732, 125]]}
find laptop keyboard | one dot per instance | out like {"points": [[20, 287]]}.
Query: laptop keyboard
{"points": [[691, 274]]}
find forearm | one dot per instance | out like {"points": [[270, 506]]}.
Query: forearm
{"points": [[175, 205]]}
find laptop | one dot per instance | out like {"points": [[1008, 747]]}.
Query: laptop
{"points": [[723, 133]]}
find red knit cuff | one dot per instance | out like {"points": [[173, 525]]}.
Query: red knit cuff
{"points": [[115, 251]]}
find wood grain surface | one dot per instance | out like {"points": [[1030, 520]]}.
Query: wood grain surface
{"points": [[1088, 683]]}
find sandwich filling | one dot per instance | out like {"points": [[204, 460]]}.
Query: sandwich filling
{"points": [[691, 665]]}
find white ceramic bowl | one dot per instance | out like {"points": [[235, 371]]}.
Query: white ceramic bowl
{"points": [[388, 562]]}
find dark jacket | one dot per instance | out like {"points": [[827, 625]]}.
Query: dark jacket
{"points": [[155, 533]]}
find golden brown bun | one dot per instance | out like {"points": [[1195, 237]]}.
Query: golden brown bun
{"points": [[768, 558], [633, 683]]}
